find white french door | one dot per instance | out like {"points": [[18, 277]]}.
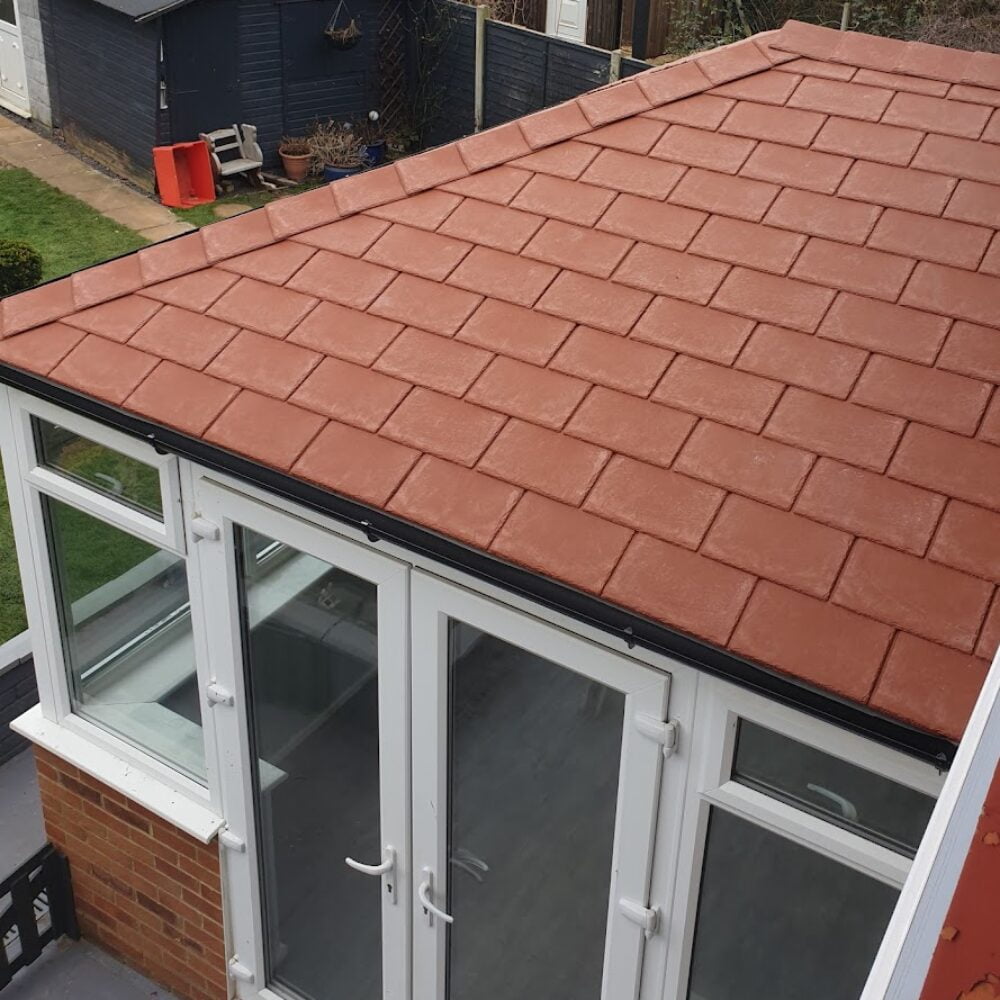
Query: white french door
{"points": [[13, 75], [429, 795]]}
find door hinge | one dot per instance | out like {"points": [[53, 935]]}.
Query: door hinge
{"points": [[204, 530], [239, 971], [647, 917], [218, 695], [664, 733], [232, 841]]}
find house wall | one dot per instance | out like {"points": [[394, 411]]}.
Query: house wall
{"points": [[33, 46], [966, 964], [145, 891], [18, 692]]}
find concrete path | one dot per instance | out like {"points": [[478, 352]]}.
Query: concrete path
{"points": [[21, 829], [20, 147]]}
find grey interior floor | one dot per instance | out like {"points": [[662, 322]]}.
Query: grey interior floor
{"points": [[67, 970]]}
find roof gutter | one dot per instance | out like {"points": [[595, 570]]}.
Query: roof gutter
{"points": [[632, 629]]}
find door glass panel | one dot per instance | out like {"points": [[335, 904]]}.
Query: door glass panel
{"points": [[777, 921], [7, 11], [535, 752], [310, 634], [842, 793]]}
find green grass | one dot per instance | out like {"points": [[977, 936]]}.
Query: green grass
{"points": [[203, 215], [12, 619], [67, 233]]}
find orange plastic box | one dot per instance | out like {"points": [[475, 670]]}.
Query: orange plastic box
{"points": [[184, 174]]}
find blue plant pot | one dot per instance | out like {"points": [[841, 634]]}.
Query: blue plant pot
{"points": [[336, 173], [375, 152]]}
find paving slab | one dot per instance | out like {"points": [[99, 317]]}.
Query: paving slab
{"points": [[167, 231], [21, 830]]}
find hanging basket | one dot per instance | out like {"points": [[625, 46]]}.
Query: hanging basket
{"points": [[343, 30]]}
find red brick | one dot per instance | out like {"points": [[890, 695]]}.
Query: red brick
{"points": [[115, 320], [671, 272], [868, 141], [638, 175], [574, 247], [269, 430], [968, 538], [651, 221], [426, 210], [350, 393], [812, 640], [604, 304], [415, 251], [853, 100], [936, 115], [783, 125], [713, 192], [570, 201], [636, 427], [103, 368], [719, 393], [665, 84], [346, 280], [895, 81], [889, 329], [491, 225], [972, 202], [345, 333], [633, 135], [498, 185], [680, 588], [608, 360], [729, 62], [929, 686], [950, 464], [922, 597], [870, 505], [977, 161], [797, 168], [854, 269], [561, 542], [693, 329], [661, 503], [933, 397], [802, 360], [744, 463], [351, 236], [497, 145], [938, 240], [608, 104], [374, 474], [427, 304], [773, 299], [566, 159], [777, 545], [455, 501], [262, 307], [41, 349], [432, 361], [748, 243], [275, 263], [195, 291], [954, 292], [989, 637], [515, 331], [264, 364], [841, 430], [769, 87], [972, 350], [701, 111], [544, 461], [699, 148], [450, 428], [521, 390], [897, 187]]}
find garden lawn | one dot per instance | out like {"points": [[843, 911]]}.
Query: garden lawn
{"points": [[67, 233], [11, 605], [203, 215]]}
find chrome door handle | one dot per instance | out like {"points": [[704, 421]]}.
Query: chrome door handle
{"points": [[387, 865], [424, 895]]}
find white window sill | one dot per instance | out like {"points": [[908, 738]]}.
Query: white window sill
{"points": [[171, 805]]}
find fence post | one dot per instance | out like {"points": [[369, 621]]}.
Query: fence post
{"points": [[482, 14], [615, 69]]}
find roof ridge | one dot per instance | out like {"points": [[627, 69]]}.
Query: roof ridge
{"points": [[254, 230]]}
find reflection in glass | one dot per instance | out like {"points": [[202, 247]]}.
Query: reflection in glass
{"points": [[858, 800], [534, 754], [126, 630], [100, 468], [310, 634], [777, 921]]}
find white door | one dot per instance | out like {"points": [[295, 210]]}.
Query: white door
{"points": [[567, 19], [13, 76], [535, 791]]}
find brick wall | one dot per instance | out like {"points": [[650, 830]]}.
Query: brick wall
{"points": [[145, 891], [18, 692]]}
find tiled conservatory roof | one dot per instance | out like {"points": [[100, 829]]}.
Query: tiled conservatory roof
{"points": [[718, 343]]}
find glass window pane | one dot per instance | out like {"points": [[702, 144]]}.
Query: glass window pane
{"points": [[842, 793], [8, 12], [103, 469], [777, 921], [535, 752], [126, 630], [310, 644]]}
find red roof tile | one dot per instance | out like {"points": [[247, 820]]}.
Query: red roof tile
{"points": [[652, 308]]}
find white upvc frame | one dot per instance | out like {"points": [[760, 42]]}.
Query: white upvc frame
{"points": [[435, 603], [243, 891]]}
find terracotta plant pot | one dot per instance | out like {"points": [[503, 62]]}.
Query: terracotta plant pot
{"points": [[296, 166]]}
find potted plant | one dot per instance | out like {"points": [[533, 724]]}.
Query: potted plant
{"points": [[337, 150], [373, 136], [343, 30], [296, 156]]}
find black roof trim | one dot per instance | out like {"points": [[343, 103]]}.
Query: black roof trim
{"points": [[631, 629], [143, 10]]}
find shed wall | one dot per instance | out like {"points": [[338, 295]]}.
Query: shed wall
{"points": [[18, 692]]}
